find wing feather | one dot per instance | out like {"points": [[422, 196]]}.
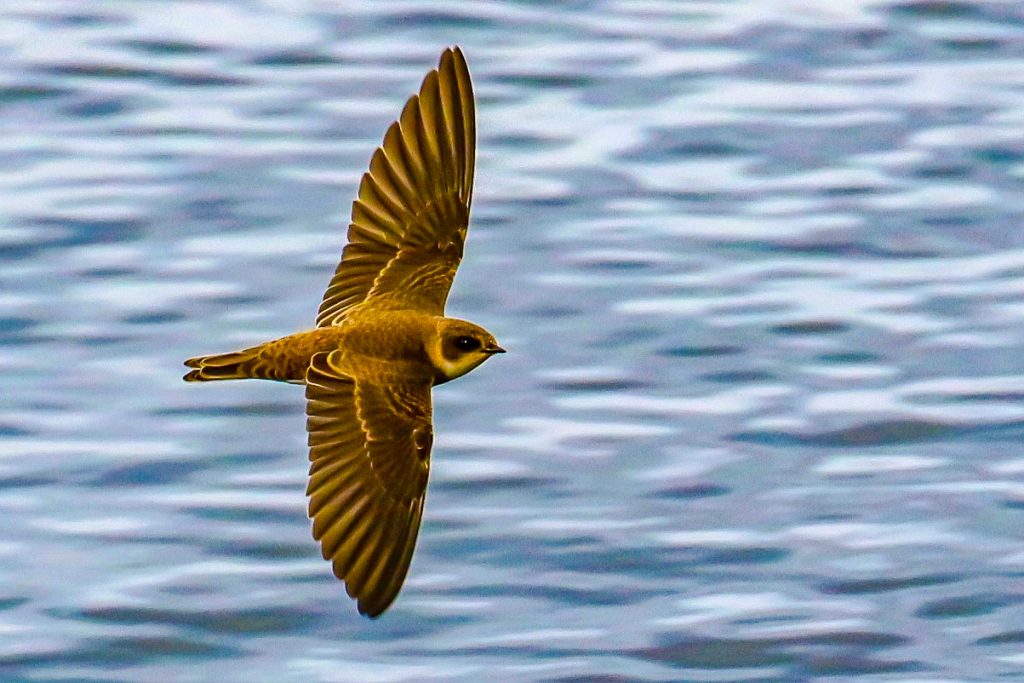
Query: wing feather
{"points": [[410, 219], [370, 458]]}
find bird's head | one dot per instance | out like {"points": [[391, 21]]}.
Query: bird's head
{"points": [[458, 347]]}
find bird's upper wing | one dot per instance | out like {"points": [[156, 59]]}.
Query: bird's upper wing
{"points": [[410, 220], [370, 456]]}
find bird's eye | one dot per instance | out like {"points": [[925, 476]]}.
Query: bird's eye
{"points": [[467, 343]]}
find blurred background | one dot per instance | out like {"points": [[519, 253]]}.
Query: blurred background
{"points": [[759, 266]]}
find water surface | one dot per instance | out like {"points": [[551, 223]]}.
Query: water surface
{"points": [[759, 267]]}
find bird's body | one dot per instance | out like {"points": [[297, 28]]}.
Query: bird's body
{"points": [[371, 344], [382, 341]]}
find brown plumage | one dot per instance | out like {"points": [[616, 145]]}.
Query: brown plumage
{"points": [[381, 341]]}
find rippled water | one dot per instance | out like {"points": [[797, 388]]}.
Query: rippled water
{"points": [[759, 265]]}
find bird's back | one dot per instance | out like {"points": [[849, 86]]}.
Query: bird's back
{"points": [[386, 345]]}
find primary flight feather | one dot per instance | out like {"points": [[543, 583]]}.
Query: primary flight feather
{"points": [[381, 341]]}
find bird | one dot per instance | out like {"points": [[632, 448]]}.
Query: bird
{"points": [[381, 341]]}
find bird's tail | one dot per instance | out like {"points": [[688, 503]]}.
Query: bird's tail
{"points": [[234, 365]]}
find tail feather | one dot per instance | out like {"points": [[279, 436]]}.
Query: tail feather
{"points": [[280, 360], [234, 365]]}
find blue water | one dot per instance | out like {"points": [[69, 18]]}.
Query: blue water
{"points": [[759, 267]]}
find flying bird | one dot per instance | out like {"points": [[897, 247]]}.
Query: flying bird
{"points": [[382, 341]]}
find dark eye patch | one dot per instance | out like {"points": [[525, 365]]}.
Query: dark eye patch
{"points": [[467, 343]]}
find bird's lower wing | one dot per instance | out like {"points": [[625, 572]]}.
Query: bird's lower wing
{"points": [[369, 447]]}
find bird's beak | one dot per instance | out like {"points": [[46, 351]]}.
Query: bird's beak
{"points": [[494, 349]]}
